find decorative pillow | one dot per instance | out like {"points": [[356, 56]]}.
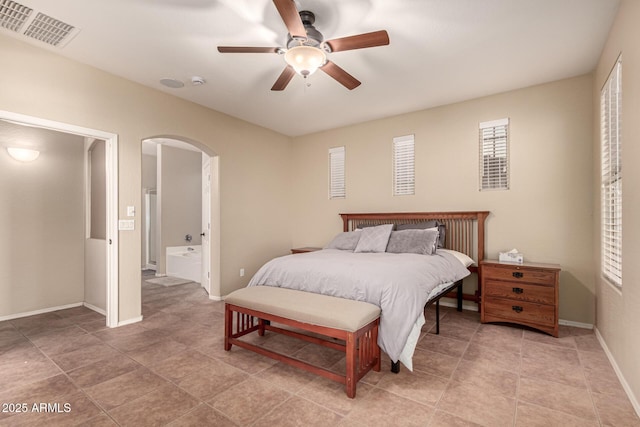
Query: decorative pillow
{"points": [[344, 241], [374, 239], [427, 224], [413, 241]]}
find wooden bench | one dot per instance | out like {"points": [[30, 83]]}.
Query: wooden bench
{"points": [[353, 323]]}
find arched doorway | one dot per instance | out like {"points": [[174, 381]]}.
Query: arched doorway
{"points": [[169, 164]]}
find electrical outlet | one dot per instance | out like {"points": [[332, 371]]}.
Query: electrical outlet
{"points": [[242, 272]]}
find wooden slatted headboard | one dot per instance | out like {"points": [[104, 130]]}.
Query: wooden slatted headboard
{"points": [[464, 232]]}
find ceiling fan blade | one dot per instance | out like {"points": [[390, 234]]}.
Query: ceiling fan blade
{"points": [[291, 17], [247, 49], [344, 78], [284, 79], [376, 38]]}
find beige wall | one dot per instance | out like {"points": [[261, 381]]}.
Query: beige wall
{"points": [[617, 316], [547, 213], [41, 222], [180, 196], [254, 162]]}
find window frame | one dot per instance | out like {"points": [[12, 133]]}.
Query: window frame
{"points": [[404, 168], [611, 182], [337, 178], [494, 152]]}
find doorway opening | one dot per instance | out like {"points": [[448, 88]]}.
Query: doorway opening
{"points": [[107, 261], [181, 233]]}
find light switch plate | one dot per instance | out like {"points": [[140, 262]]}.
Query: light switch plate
{"points": [[126, 224], [131, 211]]}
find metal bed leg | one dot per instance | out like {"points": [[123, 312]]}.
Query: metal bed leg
{"points": [[395, 367], [438, 317], [459, 295]]}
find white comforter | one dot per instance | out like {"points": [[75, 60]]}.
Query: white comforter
{"points": [[400, 284]]}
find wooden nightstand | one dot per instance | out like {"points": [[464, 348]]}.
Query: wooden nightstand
{"points": [[526, 294], [304, 250]]}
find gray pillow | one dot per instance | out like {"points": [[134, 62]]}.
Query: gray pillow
{"points": [[374, 239], [427, 224], [345, 241], [413, 241]]}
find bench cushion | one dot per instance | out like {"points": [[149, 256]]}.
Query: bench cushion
{"points": [[306, 307]]}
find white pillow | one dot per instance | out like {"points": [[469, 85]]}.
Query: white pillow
{"points": [[464, 259], [374, 239]]}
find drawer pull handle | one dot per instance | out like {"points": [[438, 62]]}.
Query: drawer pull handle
{"points": [[517, 274], [517, 308], [517, 290]]}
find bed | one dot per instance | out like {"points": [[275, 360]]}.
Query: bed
{"points": [[400, 283]]}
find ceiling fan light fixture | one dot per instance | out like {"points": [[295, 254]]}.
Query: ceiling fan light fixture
{"points": [[305, 60]]}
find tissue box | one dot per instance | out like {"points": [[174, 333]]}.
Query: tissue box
{"points": [[511, 257]]}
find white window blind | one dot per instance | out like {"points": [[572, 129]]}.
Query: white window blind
{"points": [[403, 165], [611, 194], [336, 173], [494, 155]]}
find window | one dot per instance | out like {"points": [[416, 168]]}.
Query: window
{"points": [[611, 159], [494, 155], [403, 166], [336, 173]]}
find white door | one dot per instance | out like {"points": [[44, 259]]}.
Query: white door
{"points": [[206, 223]]}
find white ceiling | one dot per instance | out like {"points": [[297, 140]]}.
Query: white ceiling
{"points": [[440, 52]]}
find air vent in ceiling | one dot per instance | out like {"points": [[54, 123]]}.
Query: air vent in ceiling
{"points": [[21, 19], [13, 15]]}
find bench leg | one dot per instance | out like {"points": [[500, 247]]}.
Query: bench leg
{"points": [[350, 379], [228, 327]]}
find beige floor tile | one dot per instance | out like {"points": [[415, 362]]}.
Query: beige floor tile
{"points": [[508, 360], [103, 370], [102, 420], [493, 380], [564, 398], [434, 363], [440, 344], [615, 411], [418, 386], [332, 395], [286, 377], [211, 380], [202, 415], [529, 415], [559, 371], [381, 408], [156, 352], [319, 355], [448, 330], [444, 419], [48, 390], [71, 410], [181, 364], [473, 403], [298, 412], [83, 356], [161, 406], [125, 388], [264, 397]]}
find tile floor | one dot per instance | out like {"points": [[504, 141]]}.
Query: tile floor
{"points": [[171, 369]]}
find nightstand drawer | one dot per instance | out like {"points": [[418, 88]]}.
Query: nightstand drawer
{"points": [[520, 311], [515, 273], [520, 291]]}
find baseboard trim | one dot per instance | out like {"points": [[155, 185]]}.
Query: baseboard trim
{"points": [[215, 298], [96, 309], [41, 311], [616, 368], [130, 321], [470, 306], [575, 324]]}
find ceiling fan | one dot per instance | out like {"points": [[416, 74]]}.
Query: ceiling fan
{"points": [[306, 49]]}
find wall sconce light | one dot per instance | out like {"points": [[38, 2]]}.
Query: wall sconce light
{"points": [[23, 154]]}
